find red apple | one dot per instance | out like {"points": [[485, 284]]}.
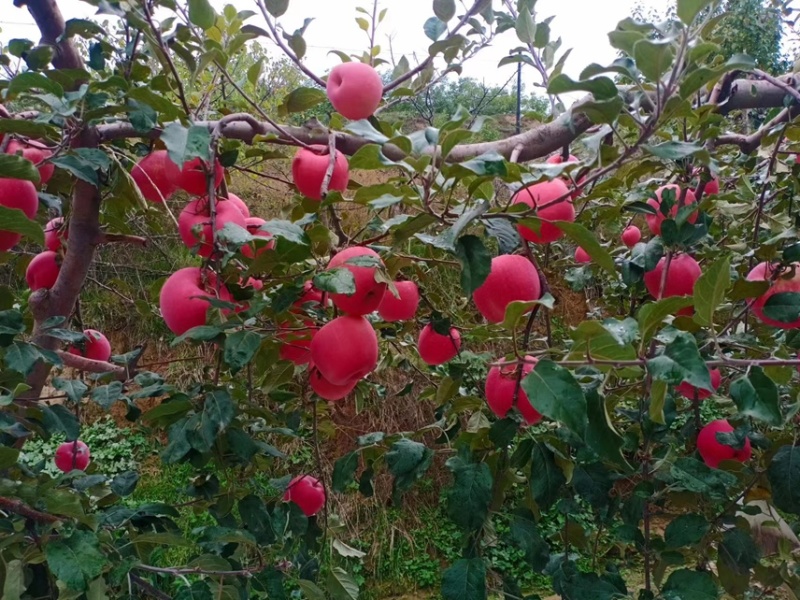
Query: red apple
{"points": [[20, 194], [72, 455], [631, 236], [296, 340], [369, 293], [307, 492], [581, 256], [683, 272], [96, 346], [500, 385], [545, 198], [36, 152], [198, 214], [310, 294], [437, 349], [687, 390], [713, 452], [355, 89], [712, 188], [654, 221], [43, 270], [308, 171], [192, 178], [157, 176], [326, 390], [183, 298], [403, 308], [557, 159], [54, 232], [788, 281], [345, 349], [240, 204], [254, 227], [512, 278]]}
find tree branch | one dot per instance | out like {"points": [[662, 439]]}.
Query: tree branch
{"points": [[93, 366], [20, 508]]}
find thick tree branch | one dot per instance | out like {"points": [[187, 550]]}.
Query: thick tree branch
{"points": [[89, 365], [18, 507]]}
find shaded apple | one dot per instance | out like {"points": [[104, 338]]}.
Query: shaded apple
{"points": [[192, 178], [714, 452], [682, 274], [548, 198], [631, 236], [43, 270], [54, 232], [403, 308], [253, 225], [557, 159], [581, 256], [326, 390], [512, 278], [19, 194], [71, 456], [296, 340], [239, 203], [369, 292], [309, 167], [355, 90], [36, 152], [784, 282], [183, 298], [157, 176], [96, 346], [501, 383], [197, 214], [687, 390], [435, 348], [307, 492], [654, 221], [345, 349]]}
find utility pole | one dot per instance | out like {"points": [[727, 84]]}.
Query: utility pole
{"points": [[519, 94]]}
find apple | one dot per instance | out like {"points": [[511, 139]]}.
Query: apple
{"points": [[310, 294], [192, 178], [183, 298], [198, 214], [403, 308], [542, 197], [345, 349], [713, 452], [435, 348], [43, 270], [683, 272], [96, 346], [157, 176], [309, 167], [581, 256], [37, 153], [72, 455], [687, 390], [253, 225], [654, 221], [557, 159], [355, 90], [239, 203], [326, 390], [631, 236], [19, 194], [54, 231], [500, 385], [511, 278], [369, 293], [712, 188], [307, 492], [296, 341], [788, 281]]}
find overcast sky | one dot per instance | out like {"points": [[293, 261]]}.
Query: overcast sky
{"points": [[582, 24]]}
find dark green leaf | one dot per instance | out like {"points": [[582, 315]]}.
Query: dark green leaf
{"points": [[681, 361], [202, 14], [444, 9], [124, 483], [695, 476], [337, 281], [106, 395], [465, 580], [341, 585], [690, 585], [476, 262], [784, 479], [738, 551], [601, 436], [554, 393], [468, 500], [14, 166], [344, 471], [677, 150], [686, 530], [76, 560], [407, 461], [783, 307], [256, 519], [602, 88], [75, 389], [277, 7], [709, 291], [546, 479], [434, 28], [756, 395], [240, 347], [525, 535]]}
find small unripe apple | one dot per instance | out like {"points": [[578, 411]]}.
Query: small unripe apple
{"points": [[713, 452], [355, 90], [369, 293], [557, 159], [43, 270], [687, 390], [309, 167], [788, 281], [156, 176], [182, 299], [345, 349], [500, 386], [197, 214], [581, 256], [682, 274], [631, 236], [72, 455], [307, 492], [192, 178], [548, 200], [36, 152], [239, 203], [403, 308], [326, 390], [435, 348], [20, 194], [54, 232], [512, 278], [296, 340], [654, 221], [96, 346]]}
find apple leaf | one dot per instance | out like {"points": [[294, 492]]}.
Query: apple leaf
{"points": [[681, 361], [336, 281], [476, 262], [554, 393], [709, 291], [301, 99], [546, 478], [407, 461], [783, 307], [586, 240], [525, 536], [202, 14], [652, 314], [756, 395], [686, 530], [434, 28], [341, 585], [240, 348], [469, 498], [685, 584], [256, 518], [444, 9], [601, 435], [76, 560], [344, 471], [689, 9], [784, 479], [465, 580]]}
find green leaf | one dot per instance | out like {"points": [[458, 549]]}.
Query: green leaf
{"points": [[185, 143], [525, 535], [22, 357], [554, 393], [738, 551], [525, 26], [465, 580], [125, 483], [407, 461], [586, 240], [13, 219], [476, 262], [434, 28], [689, 9], [75, 389], [301, 99], [469, 498], [444, 9], [756, 395], [277, 7], [76, 560], [14, 166], [8, 457], [658, 397], [695, 476], [58, 419], [783, 307], [14, 582], [686, 530], [341, 585], [690, 585], [202, 14], [218, 411], [674, 150], [784, 479], [240, 348], [286, 230], [709, 291], [11, 322], [602, 88], [29, 81], [83, 27], [681, 361], [344, 472], [256, 519], [653, 57], [601, 436], [652, 314], [546, 478], [337, 281], [106, 395], [80, 168]]}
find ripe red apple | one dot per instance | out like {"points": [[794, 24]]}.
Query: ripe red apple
{"points": [[96, 346], [711, 188], [240, 204], [43, 270], [254, 227], [581, 256], [345, 349], [403, 308], [308, 171], [355, 89], [296, 340], [557, 159], [682, 274], [788, 281], [654, 221], [16, 193], [326, 390], [369, 293], [36, 152], [54, 232], [72, 455], [437, 349], [687, 390], [310, 294], [631, 236], [500, 385], [192, 178], [157, 176], [183, 298], [198, 213], [713, 452], [542, 196], [512, 278], [307, 492]]}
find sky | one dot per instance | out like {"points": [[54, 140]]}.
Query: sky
{"points": [[582, 24]]}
